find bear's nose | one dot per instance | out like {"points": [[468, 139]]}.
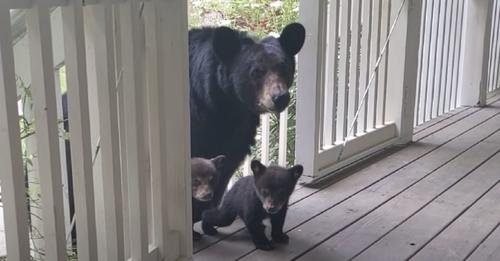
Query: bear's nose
{"points": [[281, 100]]}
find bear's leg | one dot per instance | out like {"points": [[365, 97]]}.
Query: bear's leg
{"points": [[231, 164], [217, 217], [277, 222], [257, 232]]}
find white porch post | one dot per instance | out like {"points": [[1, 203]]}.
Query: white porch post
{"points": [[310, 83], [409, 42], [476, 40]]}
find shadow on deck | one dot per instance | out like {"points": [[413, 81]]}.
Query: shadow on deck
{"points": [[436, 199]]}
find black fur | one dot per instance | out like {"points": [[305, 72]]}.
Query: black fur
{"points": [[227, 70], [265, 195]]}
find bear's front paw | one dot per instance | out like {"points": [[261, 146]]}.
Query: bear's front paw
{"points": [[280, 238], [265, 246], [209, 230], [196, 236]]}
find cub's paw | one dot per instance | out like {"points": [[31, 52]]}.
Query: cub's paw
{"points": [[196, 236], [209, 230], [266, 246], [281, 238]]}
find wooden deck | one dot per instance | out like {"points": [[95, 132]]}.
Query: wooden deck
{"points": [[437, 199]]}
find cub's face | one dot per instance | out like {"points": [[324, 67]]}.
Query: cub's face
{"points": [[274, 185], [261, 72], [204, 173]]}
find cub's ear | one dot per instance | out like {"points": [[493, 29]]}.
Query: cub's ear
{"points": [[218, 161], [296, 171], [292, 38], [257, 168], [226, 44]]}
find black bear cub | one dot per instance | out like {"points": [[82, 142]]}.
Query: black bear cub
{"points": [[204, 177], [254, 198]]}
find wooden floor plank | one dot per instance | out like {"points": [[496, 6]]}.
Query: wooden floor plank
{"points": [[339, 192], [426, 224], [427, 124], [489, 250], [361, 234], [461, 237], [470, 112]]}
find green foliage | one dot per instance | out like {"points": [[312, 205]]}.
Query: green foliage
{"points": [[261, 18]]}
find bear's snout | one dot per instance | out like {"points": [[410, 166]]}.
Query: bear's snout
{"points": [[281, 100]]}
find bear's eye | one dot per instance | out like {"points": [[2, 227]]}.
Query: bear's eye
{"points": [[257, 72], [265, 192], [196, 182]]}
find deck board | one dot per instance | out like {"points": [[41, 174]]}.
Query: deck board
{"points": [[356, 237], [386, 195], [489, 249]]}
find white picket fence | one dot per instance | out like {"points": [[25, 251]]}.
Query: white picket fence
{"points": [[127, 78]]}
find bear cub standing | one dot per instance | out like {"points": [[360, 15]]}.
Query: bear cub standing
{"points": [[204, 177], [264, 195]]}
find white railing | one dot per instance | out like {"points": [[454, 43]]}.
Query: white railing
{"points": [[354, 60], [127, 79], [494, 57], [440, 57]]}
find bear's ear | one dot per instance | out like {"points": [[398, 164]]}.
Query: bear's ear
{"points": [[226, 44], [292, 38], [218, 161], [296, 171], [257, 168]]}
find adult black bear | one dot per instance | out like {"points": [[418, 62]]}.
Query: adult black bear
{"points": [[235, 78]]}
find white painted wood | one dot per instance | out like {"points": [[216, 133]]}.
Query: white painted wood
{"points": [[13, 187], [42, 71], [344, 72], [438, 55], [133, 90], [122, 116], [450, 63], [354, 68], [460, 53], [454, 59], [422, 63], [496, 58], [432, 61], [62, 155], [283, 138], [411, 21], [357, 145], [331, 75], [175, 142], [309, 85], [374, 52], [493, 58], [483, 87], [154, 117], [81, 147], [264, 142], [475, 34], [101, 31], [445, 65], [381, 80], [364, 71]]}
